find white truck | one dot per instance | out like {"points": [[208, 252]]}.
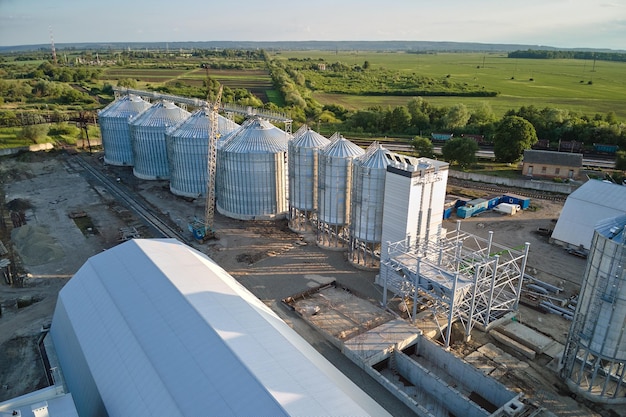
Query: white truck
{"points": [[506, 208]]}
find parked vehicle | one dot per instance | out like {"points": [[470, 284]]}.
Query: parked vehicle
{"points": [[506, 208]]}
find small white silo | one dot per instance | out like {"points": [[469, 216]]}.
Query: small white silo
{"points": [[187, 152], [334, 191], [304, 152], [368, 194], [594, 360], [114, 122], [252, 177], [148, 139]]}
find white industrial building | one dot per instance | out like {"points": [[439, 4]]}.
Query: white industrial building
{"points": [[156, 328], [592, 202], [454, 275]]}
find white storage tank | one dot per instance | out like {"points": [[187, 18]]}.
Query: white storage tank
{"points": [[148, 139], [334, 191], [304, 152], [595, 354], [114, 122], [188, 149], [253, 172], [368, 195]]}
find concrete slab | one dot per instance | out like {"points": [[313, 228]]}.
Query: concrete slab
{"points": [[555, 350], [375, 345], [502, 358], [481, 362], [498, 372], [507, 341], [526, 336]]}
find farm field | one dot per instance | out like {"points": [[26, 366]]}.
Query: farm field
{"points": [[577, 85], [258, 82]]}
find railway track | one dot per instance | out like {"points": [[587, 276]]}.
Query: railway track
{"points": [[160, 227], [495, 189]]}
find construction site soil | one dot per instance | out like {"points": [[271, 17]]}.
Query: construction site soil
{"points": [[67, 217]]}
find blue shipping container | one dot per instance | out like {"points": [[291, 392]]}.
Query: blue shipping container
{"points": [[524, 202]]}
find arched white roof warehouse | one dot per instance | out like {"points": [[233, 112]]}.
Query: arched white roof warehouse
{"points": [[156, 328], [592, 202]]}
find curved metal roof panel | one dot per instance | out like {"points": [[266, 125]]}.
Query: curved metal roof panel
{"points": [[161, 114], [310, 139], [154, 327], [197, 125], [343, 148], [257, 136], [613, 228], [125, 107], [377, 157]]}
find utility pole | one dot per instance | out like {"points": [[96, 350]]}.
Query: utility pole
{"points": [[83, 120]]}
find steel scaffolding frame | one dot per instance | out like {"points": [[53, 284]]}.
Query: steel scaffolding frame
{"points": [[460, 276]]}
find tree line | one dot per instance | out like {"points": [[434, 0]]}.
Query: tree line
{"points": [[545, 54]]}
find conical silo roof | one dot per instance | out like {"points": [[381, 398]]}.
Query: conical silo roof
{"points": [[257, 136], [375, 157], [613, 228], [310, 139], [197, 125], [343, 148], [125, 107], [163, 113]]}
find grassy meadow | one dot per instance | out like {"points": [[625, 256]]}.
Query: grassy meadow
{"points": [[576, 85]]}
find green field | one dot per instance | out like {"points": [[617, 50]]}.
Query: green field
{"points": [[576, 85], [258, 82]]}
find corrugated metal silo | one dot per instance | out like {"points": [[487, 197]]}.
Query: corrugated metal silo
{"points": [[187, 152], [334, 191], [148, 138], [114, 122], [304, 152], [253, 172], [368, 195], [594, 361]]}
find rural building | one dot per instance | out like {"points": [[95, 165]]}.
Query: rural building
{"points": [[592, 202], [549, 164], [156, 328]]}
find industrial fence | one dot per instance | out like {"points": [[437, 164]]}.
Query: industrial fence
{"points": [[553, 187]]}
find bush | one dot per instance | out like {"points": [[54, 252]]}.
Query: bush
{"points": [[34, 133], [59, 129]]}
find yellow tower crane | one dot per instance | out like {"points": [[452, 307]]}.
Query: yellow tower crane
{"points": [[203, 229]]}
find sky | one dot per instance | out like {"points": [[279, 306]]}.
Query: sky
{"points": [[557, 23]]}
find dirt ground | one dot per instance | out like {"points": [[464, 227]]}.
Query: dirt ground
{"points": [[266, 257]]}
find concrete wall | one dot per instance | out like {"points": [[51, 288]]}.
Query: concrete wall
{"points": [[391, 387], [553, 187], [437, 389], [31, 148], [466, 374]]}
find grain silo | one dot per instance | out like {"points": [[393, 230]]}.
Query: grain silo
{"points": [[594, 360], [368, 195], [334, 190], [148, 139], [304, 152], [187, 152], [252, 176], [114, 122]]}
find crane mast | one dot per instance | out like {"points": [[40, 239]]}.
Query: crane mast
{"points": [[214, 134], [203, 229]]}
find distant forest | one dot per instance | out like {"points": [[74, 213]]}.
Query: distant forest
{"points": [[553, 54]]}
